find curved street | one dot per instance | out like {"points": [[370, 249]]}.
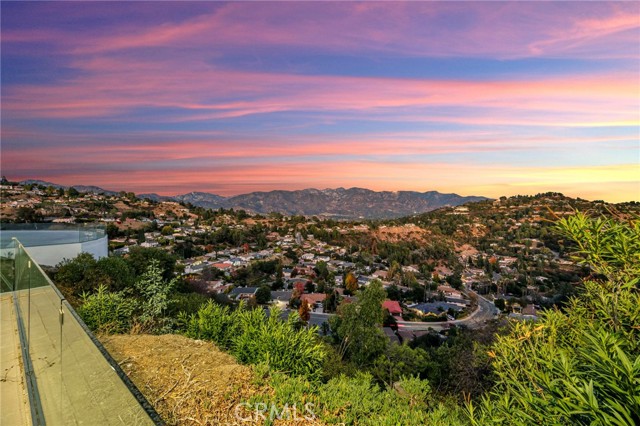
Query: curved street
{"points": [[484, 312]]}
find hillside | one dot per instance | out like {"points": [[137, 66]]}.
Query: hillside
{"points": [[189, 382]]}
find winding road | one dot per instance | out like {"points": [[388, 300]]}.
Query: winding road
{"points": [[485, 311]]}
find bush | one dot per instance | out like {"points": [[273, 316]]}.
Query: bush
{"points": [[189, 303], [580, 367], [253, 338], [107, 312], [358, 400]]}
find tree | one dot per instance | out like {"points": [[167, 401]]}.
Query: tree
{"points": [[351, 283], [77, 273], [115, 272], [279, 282], [358, 326], [28, 215], [331, 302], [72, 192], [309, 287], [393, 292], [580, 366], [304, 311], [140, 257], [263, 294], [399, 361], [321, 270]]}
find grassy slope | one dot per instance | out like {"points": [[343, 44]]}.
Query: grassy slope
{"points": [[189, 382]]}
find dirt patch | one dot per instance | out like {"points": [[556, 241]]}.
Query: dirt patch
{"points": [[122, 207], [170, 209], [394, 234], [189, 382], [466, 250], [131, 224]]}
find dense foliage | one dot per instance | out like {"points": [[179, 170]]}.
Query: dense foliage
{"points": [[580, 366], [254, 338], [358, 400], [111, 312]]}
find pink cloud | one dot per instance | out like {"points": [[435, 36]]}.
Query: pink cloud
{"points": [[503, 30], [114, 88]]}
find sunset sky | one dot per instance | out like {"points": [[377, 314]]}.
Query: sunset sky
{"points": [[475, 98]]}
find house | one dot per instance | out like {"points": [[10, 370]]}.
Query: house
{"points": [[281, 298], [314, 300], [223, 266], [388, 331], [241, 293], [529, 310], [195, 268], [363, 280], [380, 274], [450, 291], [393, 306], [436, 308]]}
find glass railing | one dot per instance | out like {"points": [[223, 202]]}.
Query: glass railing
{"points": [[70, 378]]}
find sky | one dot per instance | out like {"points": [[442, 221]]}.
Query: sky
{"points": [[476, 98]]}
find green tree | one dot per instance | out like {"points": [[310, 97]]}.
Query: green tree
{"points": [[140, 257], [330, 304], [263, 294], [399, 361], [28, 215], [77, 273], [580, 366], [358, 326], [279, 282], [321, 270], [114, 272]]}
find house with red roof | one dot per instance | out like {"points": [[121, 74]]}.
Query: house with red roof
{"points": [[393, 306]]}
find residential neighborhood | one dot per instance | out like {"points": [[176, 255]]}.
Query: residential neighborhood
{"points": [[434, 267]]}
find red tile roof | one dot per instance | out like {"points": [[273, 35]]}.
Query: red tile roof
{"points": [[392, 306], [313, 297]]}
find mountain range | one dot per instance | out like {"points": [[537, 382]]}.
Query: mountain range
{"points": [[339, 203]]}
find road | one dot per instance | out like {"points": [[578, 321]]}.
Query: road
{"points": [[486, 311]]}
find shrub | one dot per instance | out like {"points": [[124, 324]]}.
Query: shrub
{"points": [[358, 400], [253, 338], [155, 291], [582, 366], [107, 312]]}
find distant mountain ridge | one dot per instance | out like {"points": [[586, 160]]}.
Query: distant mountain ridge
{"points": [[340, 203], [79, 188]]}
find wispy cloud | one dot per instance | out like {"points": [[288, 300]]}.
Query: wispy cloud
{"points": [[119, 93]]}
